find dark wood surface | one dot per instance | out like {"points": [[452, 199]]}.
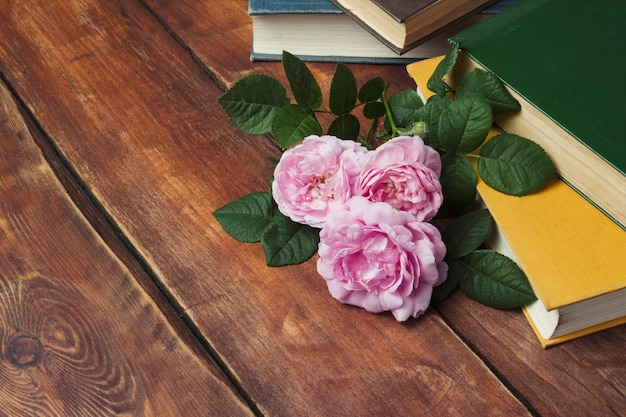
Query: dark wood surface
{"points": [[121, 295]]}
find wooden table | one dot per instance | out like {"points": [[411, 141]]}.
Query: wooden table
{"points": [[121, 295]]}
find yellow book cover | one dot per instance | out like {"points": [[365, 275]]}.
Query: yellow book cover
{"points": [[570, 251]]}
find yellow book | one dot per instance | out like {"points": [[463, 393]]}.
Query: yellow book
{"points": [[571, 252]]}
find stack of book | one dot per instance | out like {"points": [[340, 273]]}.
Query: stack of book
{"points": [[563, 60], [338, 31]]}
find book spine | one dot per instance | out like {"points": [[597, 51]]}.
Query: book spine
{"points": [[258, 7], [255, 56]]}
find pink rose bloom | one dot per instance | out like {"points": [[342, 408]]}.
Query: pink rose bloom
{"points": [[403, 172], [382, 259], [316, 177]]}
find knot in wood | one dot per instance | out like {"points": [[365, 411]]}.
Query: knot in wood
{"points": [[24, 350]]}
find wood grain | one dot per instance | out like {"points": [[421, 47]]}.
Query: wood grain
{"points": [[137, 119], [587, 374], [78, 335], [127, 93]]}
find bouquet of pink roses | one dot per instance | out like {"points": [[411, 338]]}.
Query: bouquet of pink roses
{"points": [[368, 211], [377, 249]]}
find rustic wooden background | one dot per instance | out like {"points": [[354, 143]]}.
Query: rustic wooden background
{"points": [[121, 295]]}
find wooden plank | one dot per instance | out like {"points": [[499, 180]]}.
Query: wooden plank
{"points": [[221, 38], [587, 374], [582, 377], [78, 334], [137, 119]]}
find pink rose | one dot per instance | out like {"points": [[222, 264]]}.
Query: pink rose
{"points": [[403, 172], [316, 177], [382, 259]]}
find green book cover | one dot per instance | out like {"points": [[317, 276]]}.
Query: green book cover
{"points": [[568, 59]]}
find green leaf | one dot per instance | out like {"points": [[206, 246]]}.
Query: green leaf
{"points": [[303, 85], [493, 279], [372, 90], [343, 92], [458, 182], [464, 124], [286, 242], [246, 218], [292, 123], [442, 291], [374, 110], [467, 233], [252, 102], [514, 165], [430, 113], [346, 126], [435, 82], [403, 107], [486, 83]]}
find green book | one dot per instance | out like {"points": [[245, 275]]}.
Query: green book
{"points": [[565, 61]]}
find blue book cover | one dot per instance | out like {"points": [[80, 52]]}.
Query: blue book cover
{"points": [[295, 25], [499, 6], [256, 7], [327, 6]]}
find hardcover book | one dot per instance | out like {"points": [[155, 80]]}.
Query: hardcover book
{"points": [[564, 61], [568, 249], [402, 25], [317, 30]]}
